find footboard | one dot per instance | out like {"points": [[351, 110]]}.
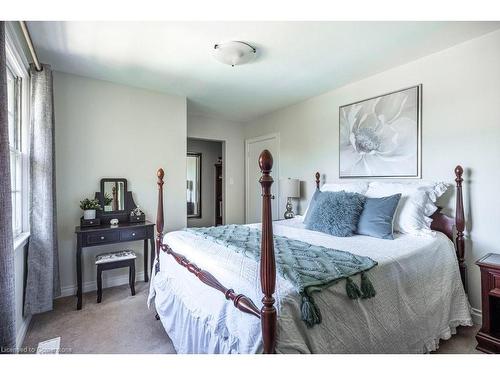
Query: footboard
{"points": [[267, 314]]}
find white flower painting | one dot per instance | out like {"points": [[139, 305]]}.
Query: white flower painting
{"points": [[379, 137]]}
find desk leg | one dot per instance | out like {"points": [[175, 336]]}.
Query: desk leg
{"points": [[79, 272], [153, 253], [146, 257]]}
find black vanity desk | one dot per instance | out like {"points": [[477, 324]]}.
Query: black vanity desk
{"points": [[105, 235]]}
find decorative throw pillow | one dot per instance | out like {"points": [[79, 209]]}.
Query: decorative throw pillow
{"points": [[377, 217], [415, 206], [336, 213], [359, 187], [311, 205]]}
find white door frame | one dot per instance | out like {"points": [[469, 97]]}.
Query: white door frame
{"points": [[276, 159]]}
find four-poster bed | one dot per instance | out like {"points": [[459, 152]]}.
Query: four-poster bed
{"points": [[267, 265]]}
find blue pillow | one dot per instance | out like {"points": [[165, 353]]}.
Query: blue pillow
{"points": [[336, 213], [376, 218], [311, 205]]}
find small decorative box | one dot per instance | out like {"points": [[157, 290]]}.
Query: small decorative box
{"points": [[90, 222], [137, 218]]}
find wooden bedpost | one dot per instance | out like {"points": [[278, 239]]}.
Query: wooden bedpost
{"points": [[267, 261], [159, 218], [460, 226], [318, 176]]}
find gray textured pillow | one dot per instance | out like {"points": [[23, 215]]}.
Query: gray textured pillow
{"points": [[336, 213], [377, 216]]}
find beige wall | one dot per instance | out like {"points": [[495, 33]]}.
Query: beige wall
{"points": [[461, 125], [110, 130], [210, 152], [233, 167]]}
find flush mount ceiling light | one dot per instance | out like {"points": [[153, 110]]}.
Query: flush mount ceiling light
{"points": [[234, 53]]}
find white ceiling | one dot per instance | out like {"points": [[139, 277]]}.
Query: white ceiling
{"points": [[296, 60]]}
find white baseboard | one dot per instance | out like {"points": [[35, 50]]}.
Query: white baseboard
{"points": [[21, 334], [477, 316], [89, 286]]}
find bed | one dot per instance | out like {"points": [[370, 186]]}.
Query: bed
{"points": [[420, 290]]}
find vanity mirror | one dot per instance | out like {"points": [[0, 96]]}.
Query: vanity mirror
{"points": [[113, 191], [115, 199]]}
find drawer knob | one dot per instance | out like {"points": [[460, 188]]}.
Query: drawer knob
{"points": [[102, 237]]}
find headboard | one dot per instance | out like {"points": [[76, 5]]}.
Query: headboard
{"points": [[445, 224]]}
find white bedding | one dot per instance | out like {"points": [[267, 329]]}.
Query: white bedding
{"points": [[420, 298]]}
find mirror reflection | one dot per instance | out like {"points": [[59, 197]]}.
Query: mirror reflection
{"points": [[193, 185], [114, 196]]}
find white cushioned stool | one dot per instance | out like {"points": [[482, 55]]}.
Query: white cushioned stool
{"points": [[116, 259]]}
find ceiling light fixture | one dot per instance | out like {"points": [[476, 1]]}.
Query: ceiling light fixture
{"points": [[234, 53]]}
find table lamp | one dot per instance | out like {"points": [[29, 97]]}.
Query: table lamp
{"points": [[290, 188]]}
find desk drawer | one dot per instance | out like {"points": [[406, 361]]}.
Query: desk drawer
{"points": [[101, 237], [132, 234]]}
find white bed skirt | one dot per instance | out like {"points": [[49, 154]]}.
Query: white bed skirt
{"points": [[191, 334]]}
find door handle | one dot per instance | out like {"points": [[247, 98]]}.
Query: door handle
{"points": [[272, 196]]}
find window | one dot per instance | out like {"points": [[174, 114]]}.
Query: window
{"points": [[14, 105], [18, 123]]}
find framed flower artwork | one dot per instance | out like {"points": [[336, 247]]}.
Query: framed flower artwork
{"points": [[381, 136]]}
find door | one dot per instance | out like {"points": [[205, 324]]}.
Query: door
{"points": [[253, 190]]}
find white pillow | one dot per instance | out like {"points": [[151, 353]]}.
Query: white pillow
{"points": [[359, 187], [417, 203]]}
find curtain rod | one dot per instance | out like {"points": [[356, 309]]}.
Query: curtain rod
{"points": [[27, 37]]}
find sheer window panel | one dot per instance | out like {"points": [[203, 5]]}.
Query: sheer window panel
{"points": [[14, 105], [17, 207], [11, 107], [16, 184]]}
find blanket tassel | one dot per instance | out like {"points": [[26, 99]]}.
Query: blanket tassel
{"points": [[352, 289], [367, 288], [310, 313]]}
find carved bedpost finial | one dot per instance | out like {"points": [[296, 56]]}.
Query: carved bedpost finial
{"points": [[318, 177], [266, 162], [460, 225], [459, 171], [267, 261], [160, 173]]}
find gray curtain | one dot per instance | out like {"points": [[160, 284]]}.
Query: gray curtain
{"points": [[7, 292], [42, 284]]}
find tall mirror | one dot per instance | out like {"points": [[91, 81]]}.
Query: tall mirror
{"points": [[193, 185], [113, 192]]}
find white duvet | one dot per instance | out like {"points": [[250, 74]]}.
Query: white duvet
{"points": [[420, 298]]}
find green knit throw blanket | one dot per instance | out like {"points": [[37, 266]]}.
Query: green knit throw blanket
{"points": [[309, 268]]}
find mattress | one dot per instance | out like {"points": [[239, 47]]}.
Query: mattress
{"points": [[420, 298]]}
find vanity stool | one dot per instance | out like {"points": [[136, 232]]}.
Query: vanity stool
{"points": [[116, 259]]}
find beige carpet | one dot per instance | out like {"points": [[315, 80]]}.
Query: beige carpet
{"points": [[123, 324]]}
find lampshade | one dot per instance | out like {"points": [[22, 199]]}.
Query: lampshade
{"points": [[290, 188]]}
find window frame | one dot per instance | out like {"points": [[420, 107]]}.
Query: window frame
{"points": [[17, 63]]}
